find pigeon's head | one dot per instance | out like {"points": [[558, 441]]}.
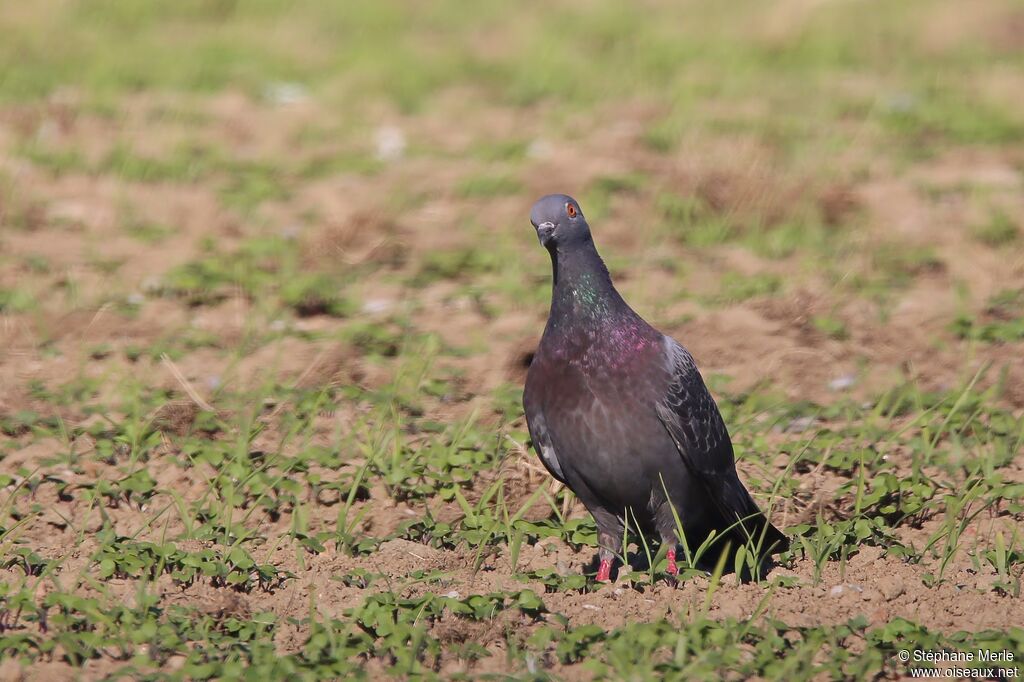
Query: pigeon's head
{"points": [[559, 221]]}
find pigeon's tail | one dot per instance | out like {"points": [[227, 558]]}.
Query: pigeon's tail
{"points": [[707, 454], [748, 525]]}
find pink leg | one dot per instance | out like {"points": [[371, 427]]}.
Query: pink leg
{"points": [[604, 571], [672, 568]]}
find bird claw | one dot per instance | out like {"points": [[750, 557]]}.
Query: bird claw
{"points": [[672, 569], [604, 571]]}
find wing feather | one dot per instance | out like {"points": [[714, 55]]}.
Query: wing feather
{"points": [[538, 427], [693, 421]]}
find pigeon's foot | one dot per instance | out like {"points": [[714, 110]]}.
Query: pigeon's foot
{"points": [[672, 569], [604, 571]]}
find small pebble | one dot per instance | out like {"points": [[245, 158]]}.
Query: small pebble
{"points": [[799, 425], [539, 149], [892, 590], [48, 129], [839, 589], [389, 143], [842, 383], [283, 94], [900, 102], [377, 305]]}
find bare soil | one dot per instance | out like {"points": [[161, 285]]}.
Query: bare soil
{"points": [[75, 221]]}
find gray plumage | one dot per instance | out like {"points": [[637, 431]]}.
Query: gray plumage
{"points": [[619, 412]]}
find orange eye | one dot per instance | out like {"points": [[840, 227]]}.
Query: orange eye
{"points": [[571, 210]]}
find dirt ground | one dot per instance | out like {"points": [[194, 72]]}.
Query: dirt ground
{"points": [[768, 342]]}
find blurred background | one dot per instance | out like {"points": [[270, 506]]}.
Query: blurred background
{"points": [[843, 175], [247, 247]]}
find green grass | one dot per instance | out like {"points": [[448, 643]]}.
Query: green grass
{"points": [[384, 50], [1000, 230], [16, 300], [736, 288], [396, 630], [1002, 321], [488, 186], [248, 487], [229, 457]]}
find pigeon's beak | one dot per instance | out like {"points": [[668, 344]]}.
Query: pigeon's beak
{"points": [[545, 231]]}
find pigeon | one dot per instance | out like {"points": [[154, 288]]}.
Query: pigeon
{"points": [[619, 413]]}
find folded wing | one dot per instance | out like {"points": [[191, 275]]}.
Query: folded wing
{"points": [[693, 421]]}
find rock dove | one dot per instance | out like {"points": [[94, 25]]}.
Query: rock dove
{"points": [[619, 413]]}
